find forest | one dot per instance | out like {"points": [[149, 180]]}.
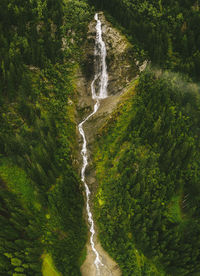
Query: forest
{"points": [[166, 32], [147, 204], [146, 155], [41, 199]]}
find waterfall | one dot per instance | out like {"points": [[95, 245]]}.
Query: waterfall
{"points": [[99, 91], [101, 75]]}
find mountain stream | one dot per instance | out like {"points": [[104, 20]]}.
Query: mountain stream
{"points": [[99, 91]]}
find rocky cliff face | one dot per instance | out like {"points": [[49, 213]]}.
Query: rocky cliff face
{"points": [[120, 56], [121, 64]]}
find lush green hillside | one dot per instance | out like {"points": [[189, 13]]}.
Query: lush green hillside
{"points": [[41, 202], [167, 30], [147, 205], [147, 155]]}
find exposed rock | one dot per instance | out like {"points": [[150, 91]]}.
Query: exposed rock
{"points": [[110, 268], [121, 64], [120, 58]]}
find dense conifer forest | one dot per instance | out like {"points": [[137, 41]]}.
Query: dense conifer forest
{"points": [[147, 205], [41, 202], [146, 155]]}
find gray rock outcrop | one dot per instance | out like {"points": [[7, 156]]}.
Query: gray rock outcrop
{"points": [[120, 56]]}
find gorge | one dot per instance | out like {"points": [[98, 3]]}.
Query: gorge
{"points": [[99, 138]]}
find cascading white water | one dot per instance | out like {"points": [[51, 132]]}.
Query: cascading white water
{"points": [[101, 74], [99, 91]]}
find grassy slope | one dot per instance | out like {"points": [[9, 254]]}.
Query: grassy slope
{"points": [[48, 268]]}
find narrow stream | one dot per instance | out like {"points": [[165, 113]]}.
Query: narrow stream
{"points": [[99, 91]]}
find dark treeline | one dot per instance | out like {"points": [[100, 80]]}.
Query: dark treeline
{"points": [[30, 33], [149, 189], [167, 30], [41, 202]]}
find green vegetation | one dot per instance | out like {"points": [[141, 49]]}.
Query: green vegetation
{"points": [[48, 268], [174, 209], [41, 200], [149, 193], [16, 180], [147, 155], [166, 30]]}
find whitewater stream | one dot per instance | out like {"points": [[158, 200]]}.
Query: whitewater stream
{"points": [[99, 91]]}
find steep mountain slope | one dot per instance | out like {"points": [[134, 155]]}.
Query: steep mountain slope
{"points": [[167, 30], [41, 200], [147, 160], [143, 142]]}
